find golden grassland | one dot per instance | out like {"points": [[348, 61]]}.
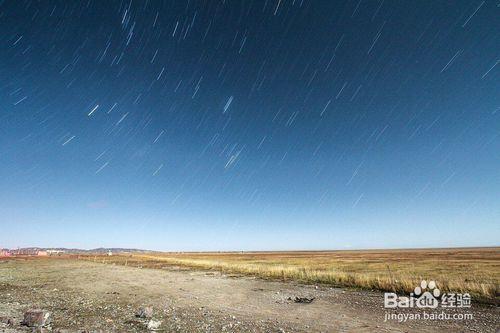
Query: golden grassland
{"points": [[463, 270]]}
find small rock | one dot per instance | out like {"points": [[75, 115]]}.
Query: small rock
{"points": [[153, 325], [7, 320], [145, 312], [36, 318], [303, 299]]}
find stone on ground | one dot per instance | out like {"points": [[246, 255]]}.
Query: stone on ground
{"points": [[153, 325], [145, 312], [36, 318]]}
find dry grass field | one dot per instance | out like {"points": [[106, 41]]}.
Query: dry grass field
{"points": [[469, 270], [87, 296]]}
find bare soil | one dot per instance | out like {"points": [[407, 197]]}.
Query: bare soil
{"points": [[94, 297]]}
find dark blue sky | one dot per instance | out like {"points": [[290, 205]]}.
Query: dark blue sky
{"points": [[219, 125]]}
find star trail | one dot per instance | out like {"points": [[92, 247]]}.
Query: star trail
{"points": [[228, 125]]}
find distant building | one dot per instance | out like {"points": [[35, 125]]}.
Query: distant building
{"points": [[110, 253], [55, 252], [29, 252]]}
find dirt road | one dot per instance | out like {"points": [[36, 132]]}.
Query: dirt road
{"points": [[97, 297]]}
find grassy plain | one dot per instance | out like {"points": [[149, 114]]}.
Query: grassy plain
{"points": [[462, 270]]}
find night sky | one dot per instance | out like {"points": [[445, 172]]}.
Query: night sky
{"points": [[240, 125]]}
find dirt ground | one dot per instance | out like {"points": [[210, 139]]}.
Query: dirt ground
{"points": [[94, 297]]}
